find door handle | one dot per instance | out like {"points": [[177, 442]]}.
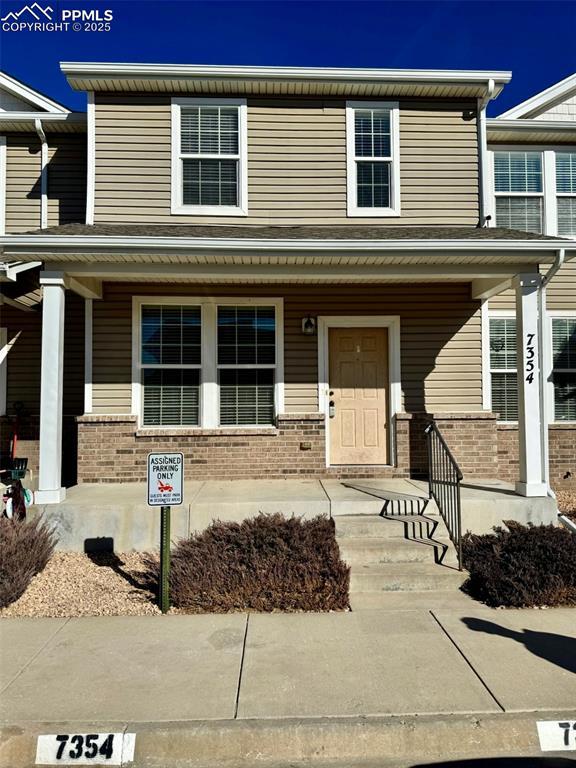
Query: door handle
{"points": [[331, 409]]}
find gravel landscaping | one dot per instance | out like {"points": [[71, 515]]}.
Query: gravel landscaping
{"points": [[567, 503], [74, 584]]}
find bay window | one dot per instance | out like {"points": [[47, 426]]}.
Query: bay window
{"points": [[209, 156], [207, 362], [373, 163], [519, 190]]}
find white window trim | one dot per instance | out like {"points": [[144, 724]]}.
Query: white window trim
{"points": [[392, 322], [556, 195], [549, 193], [352, 161], [545, 180], [177, 206], [209, 391], [487, 370], [555, 314]]}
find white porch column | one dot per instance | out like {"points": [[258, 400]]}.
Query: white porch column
{"points": [[531, 448], [50, 490]]}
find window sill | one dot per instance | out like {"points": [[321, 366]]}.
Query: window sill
{"points": [[207, 210], [199, 432], [372, 213]]}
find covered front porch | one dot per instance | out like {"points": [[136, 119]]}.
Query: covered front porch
{"points": [[402, 312]]}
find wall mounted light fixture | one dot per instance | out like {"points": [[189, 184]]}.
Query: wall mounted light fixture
{"points": [[309, 326]]}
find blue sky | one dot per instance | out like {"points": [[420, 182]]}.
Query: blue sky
{"points": [[536, 40]]}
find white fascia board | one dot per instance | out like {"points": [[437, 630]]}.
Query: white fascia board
{"points": [[107, 69], [541, 100], [16, 88], [45, 117], [498, 123], [80, 242]]}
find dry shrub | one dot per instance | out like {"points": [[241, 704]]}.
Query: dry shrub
{"points": [[523, 566], [25, 548], [268, 563]]}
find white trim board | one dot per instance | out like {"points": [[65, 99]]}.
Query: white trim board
{"points": [[208, 366], [392, 323], [177, 206], [352, 160], [4, 349], [2, 185], [90, 157], [543, 100], [23, 91]]}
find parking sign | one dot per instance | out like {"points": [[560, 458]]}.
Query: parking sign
{"points": [[165, 479]]}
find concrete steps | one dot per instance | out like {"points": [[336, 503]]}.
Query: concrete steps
{"points": [[398, 554]]}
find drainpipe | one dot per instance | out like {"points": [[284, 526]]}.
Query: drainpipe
{"points": [[43, 174], [545, 356], [483, 152]]}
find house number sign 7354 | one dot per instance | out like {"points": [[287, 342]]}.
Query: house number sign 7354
{"points": [[85, 749], [530, 355]]}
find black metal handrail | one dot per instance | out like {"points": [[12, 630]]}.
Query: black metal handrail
{"points": [[444, 477]]}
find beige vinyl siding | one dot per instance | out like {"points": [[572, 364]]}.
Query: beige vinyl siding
{"points": [[440, 340], [66, 179], [23, 362], [560, 293], [296, 163], [23, 168]]}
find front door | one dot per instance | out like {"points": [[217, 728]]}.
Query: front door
{"points": [[358, 395]]}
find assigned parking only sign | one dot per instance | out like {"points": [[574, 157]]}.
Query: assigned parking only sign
{"points": [[165, 478]]}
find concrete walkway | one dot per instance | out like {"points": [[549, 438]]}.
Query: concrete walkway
{"points": [[234, 669]]}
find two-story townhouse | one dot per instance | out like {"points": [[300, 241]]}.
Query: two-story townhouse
{"points": [[42, 184], [532, 160], [283, 273]]}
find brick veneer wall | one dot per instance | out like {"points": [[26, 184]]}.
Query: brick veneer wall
{"points": [[562, 454]]}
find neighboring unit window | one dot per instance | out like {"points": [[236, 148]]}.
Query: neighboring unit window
{"points": [[564, 368], [209, 170], [504, 380], [373, 167], [170, 361], [246, 364], [566, 193], [519, 190]]}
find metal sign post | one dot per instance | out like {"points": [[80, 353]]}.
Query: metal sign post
{"points": [[165, 484], [164, 559]]}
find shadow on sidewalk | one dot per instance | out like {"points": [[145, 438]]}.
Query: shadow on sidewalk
{"points": [[503, 762], [557, 649]]}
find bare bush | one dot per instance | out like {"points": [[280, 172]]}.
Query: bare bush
{"points": [[25, 548]]}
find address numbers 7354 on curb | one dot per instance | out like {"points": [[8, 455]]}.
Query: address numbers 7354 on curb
{"points": [[85, 749]]}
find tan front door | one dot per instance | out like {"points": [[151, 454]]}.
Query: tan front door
{"points": [[358, 395]]}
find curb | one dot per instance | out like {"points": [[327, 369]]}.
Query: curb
{"points": [[392, 741]]}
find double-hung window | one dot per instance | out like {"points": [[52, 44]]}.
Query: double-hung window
{"points": [[373, 163], [209, 160], [519, 190], [564, 367], [503, 369], [566, 193], [207, 362], [170, 361]]}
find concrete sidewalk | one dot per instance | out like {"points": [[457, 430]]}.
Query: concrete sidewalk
{"points": [[307, 668]]}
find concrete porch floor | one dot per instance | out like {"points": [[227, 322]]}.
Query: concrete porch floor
{"points": [[120, 512]]}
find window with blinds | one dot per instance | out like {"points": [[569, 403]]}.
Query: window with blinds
{"points": [[170, 362], [373, 168], [209, 155], [564, 368], [246, 364], [503, 371], [566, 193], [519, 190]]}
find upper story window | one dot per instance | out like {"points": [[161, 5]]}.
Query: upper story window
{"points": [[519, 190], [373, 162], [209, 157], [566, 193]]}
